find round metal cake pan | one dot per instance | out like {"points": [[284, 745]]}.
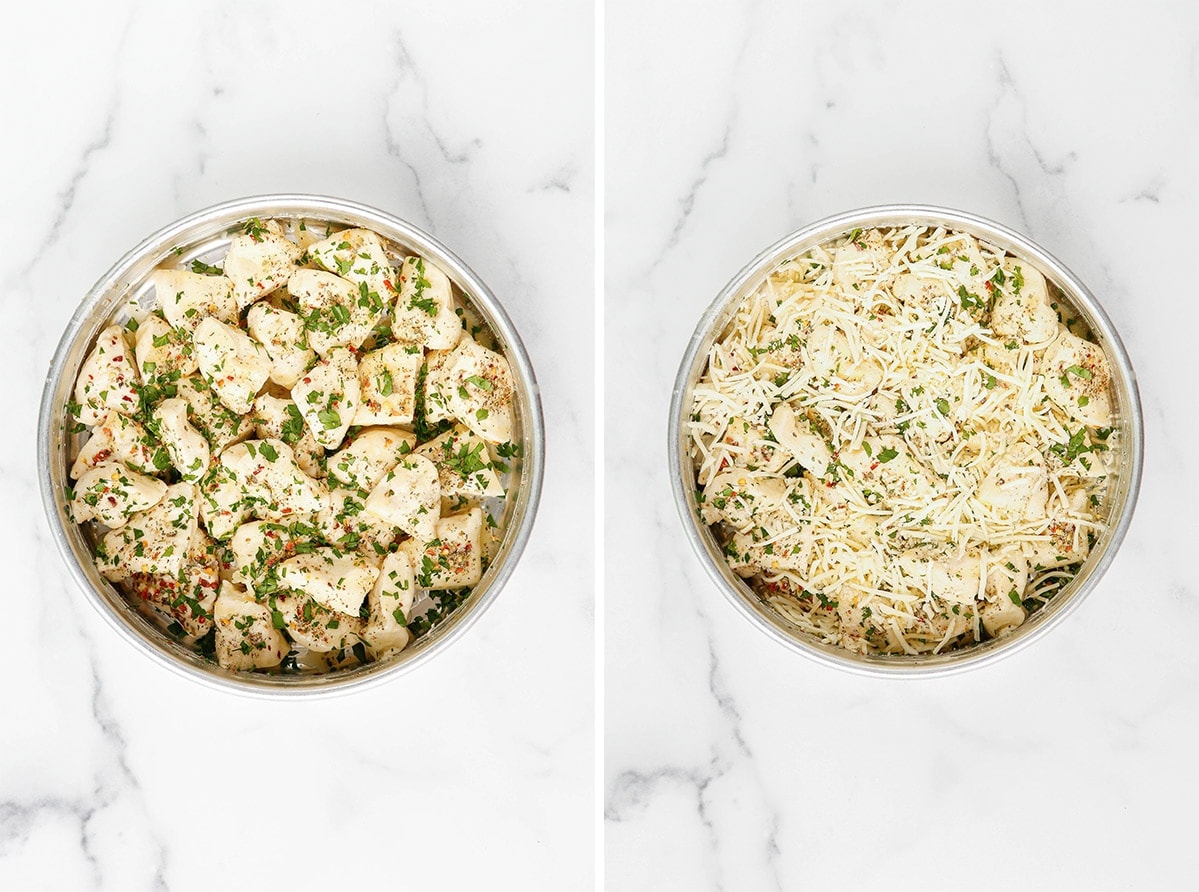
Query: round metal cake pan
{"points": [[1126, 403], [199, 236]]}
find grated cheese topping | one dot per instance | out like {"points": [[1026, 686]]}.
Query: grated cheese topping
{"points": [[904, 438]]}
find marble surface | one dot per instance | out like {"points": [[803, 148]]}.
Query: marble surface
{"points": [[473, 120], [732, 764]]}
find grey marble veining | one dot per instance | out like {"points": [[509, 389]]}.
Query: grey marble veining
{"points": [[114, 774], [732, 764], [728, 764]]}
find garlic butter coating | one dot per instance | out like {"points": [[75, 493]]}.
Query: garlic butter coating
{"points": [[295, 455]]}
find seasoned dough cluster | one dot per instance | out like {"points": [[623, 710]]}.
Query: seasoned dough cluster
{"points": [[904, 439], [292, 460]]}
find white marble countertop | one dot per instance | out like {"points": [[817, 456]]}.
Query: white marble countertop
{"points": [[733, 764], [729, 763], [474, 121]]}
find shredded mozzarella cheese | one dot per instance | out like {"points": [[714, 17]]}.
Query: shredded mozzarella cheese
{"points": [[889, 472]]}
